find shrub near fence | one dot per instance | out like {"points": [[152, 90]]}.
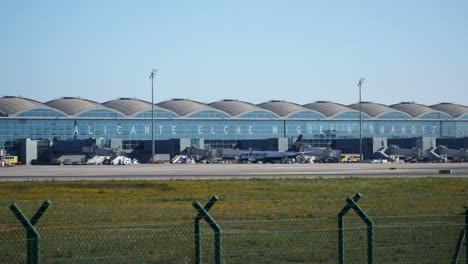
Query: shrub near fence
{"points": [[396, 239]]}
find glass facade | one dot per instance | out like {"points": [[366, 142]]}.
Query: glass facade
{"points": [[306, 114], [213, 143], [215, 127], [136, 129], [209, 114], [157, 114], [258, 114], [460, 129], [395, 115], [101, 113], [40, 113], [350, 115], [435, 116]]}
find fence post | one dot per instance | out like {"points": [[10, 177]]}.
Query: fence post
{"points": [[341, 228], [351, 203], [203, 214], [199, 216], [370, 230], [32, 236], [461, 238]]}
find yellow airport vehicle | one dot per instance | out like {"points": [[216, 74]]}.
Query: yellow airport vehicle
{"points": [[10, 160], [350, 158]]}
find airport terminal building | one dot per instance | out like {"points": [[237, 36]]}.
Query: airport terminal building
{"points": [[126, 124]]}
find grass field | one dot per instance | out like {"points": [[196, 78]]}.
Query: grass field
{"points": [[263, 221]]}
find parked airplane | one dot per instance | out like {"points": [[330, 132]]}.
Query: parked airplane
{"points": [[272, 156]]}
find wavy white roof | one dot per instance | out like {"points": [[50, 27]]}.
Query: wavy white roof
{"points": [[73, 106]]}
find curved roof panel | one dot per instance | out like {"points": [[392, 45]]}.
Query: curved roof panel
{"points": [[259, 114], [283, 108], [414, 109], [128, 106], [12, 105], [41, 112], [185, 107], [75, 106], [376, 110], [132, 106], [234, 107], [455, 110], [158, 113], [309, 114], [329, 109], [209, 114], [97, 113]]}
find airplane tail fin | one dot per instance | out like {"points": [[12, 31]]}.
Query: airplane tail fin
{"points": [[297, 145]]}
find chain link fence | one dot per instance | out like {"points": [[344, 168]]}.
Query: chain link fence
{"points": [[396, 239]]}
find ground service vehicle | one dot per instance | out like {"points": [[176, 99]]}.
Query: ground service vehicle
{"points": [[10, 160]]}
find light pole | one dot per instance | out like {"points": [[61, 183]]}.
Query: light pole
{"points": [[153, 73], [360, 120]]}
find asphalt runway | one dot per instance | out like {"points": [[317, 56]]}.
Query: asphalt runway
{"points": [[230, 171]]}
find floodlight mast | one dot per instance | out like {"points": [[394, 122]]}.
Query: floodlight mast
{"points": [[361, 81], [153, 73]]}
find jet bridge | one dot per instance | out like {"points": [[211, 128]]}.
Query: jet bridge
{"points": [[444, 154], [395, 153], [325, 155], [202, 155]]}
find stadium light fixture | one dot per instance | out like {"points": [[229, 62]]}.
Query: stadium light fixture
{"points": [[361, 81], [153, 73]]}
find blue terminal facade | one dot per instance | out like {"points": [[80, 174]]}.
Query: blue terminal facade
{"points": [[15, 129], [130, 120]]}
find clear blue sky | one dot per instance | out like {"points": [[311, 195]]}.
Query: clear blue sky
{"points": [[255, 51]]}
